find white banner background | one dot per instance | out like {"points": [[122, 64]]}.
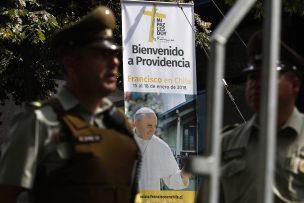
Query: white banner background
{"points": [[164, 30]]}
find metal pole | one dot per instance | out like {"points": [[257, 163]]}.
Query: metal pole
{"points": [[178, 133], [267, 143], [210, 165]]}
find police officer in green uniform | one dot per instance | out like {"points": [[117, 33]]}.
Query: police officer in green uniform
{"points": [[76, 147], [239, 172]]}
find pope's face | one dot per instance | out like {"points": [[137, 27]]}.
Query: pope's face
{"points": [[146, 127]]}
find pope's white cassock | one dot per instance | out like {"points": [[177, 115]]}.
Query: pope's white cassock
{"points": [[158, 163]]}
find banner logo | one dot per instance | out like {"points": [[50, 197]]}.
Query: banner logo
{"points": [[160, 24]]}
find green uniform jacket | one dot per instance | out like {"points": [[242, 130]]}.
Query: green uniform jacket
{"points": [[37, 137], [239, 171]]}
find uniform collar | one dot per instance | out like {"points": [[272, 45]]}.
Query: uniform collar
{"points": [[294, 121], [252, 128], [69, 101], [249, 127]]}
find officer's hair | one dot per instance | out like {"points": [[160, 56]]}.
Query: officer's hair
{"points": [[75, 53], [142, 112]]}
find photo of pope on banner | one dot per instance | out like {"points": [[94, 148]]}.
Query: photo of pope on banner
{"points": [[158, 162]]}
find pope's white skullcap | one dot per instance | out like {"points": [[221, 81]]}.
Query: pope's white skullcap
{"points": [[144, 110]]}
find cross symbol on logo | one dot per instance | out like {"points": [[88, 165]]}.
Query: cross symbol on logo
{"points": [[153, 15]]}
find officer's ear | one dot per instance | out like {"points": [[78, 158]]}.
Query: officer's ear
{"points": [[296, 82], [68, 64], [70, 58], [70, 61]]}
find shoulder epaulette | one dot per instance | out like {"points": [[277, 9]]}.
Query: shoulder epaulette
{"points": [[230, 127], [115, 118], [34, 104]]}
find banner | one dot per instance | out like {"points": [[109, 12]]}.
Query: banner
{"points": [[158, 47], [160, 95]]}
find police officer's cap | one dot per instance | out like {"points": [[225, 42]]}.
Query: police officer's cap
{"points": [[289, 60], [94, 30]]}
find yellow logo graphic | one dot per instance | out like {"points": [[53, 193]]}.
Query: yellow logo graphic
{"points": [[153, 14]]}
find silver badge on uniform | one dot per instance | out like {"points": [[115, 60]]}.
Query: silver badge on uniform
{"points": [[301, 152], [89, 139], [301, 166]]}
